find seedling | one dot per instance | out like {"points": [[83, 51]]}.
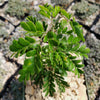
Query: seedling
{"points": [[46, 65]]}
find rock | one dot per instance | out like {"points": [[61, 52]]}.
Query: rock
{"points": [[5, 28], [73, 85], [11, 19], [67, 98], [46, 1], [38, 94], [27, 97], [5, 45], [29, 90], [2, 2], [32, 98], [18, 8], [92, 67], [6, 70], [92, 1], [82, 92], [95, 1], [61, 2], [15, 91], [21, 59], [33, 94], [85, 11], [96, 28]]}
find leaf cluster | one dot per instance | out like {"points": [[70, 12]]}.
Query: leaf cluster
{"points": [[48, 64]]}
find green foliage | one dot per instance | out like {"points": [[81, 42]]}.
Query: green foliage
{"points": [[83, 9], [48, 64]]}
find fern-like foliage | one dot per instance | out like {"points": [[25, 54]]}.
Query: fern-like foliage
{"points": [[48, 64]]}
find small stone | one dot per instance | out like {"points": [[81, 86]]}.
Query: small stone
{"points": [[21, 59], [82, 92], [27, 97], [67, 98], [74, 92], [29, 90], [35, 2], [73, 85], [32, 98]]}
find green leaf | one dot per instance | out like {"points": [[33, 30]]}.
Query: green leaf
{"points": [[44, 14], [45, 25], [17, 54], [45, 39], [73, 39], [23, 42], [50, 34], [69, 32], [70, 65], [76, 71], [31, 53], [27, 62], [72, 57], [30, 18], [50, 7], [44, 9], [67, 15], [75, 47], [25, 26], [45, 86], [77, 61], [83, 49], [59, 36], [15, 46], [47, 92], [63, 23], [64, 30], [32, 26], [56, 11], [80, 65], [85, 55], [51, 57], [39, 26], [53, 42], [31, 40], [78, 31], [59, 30], [70, 39], [65, 83], [28, 69], [80, 71]]}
